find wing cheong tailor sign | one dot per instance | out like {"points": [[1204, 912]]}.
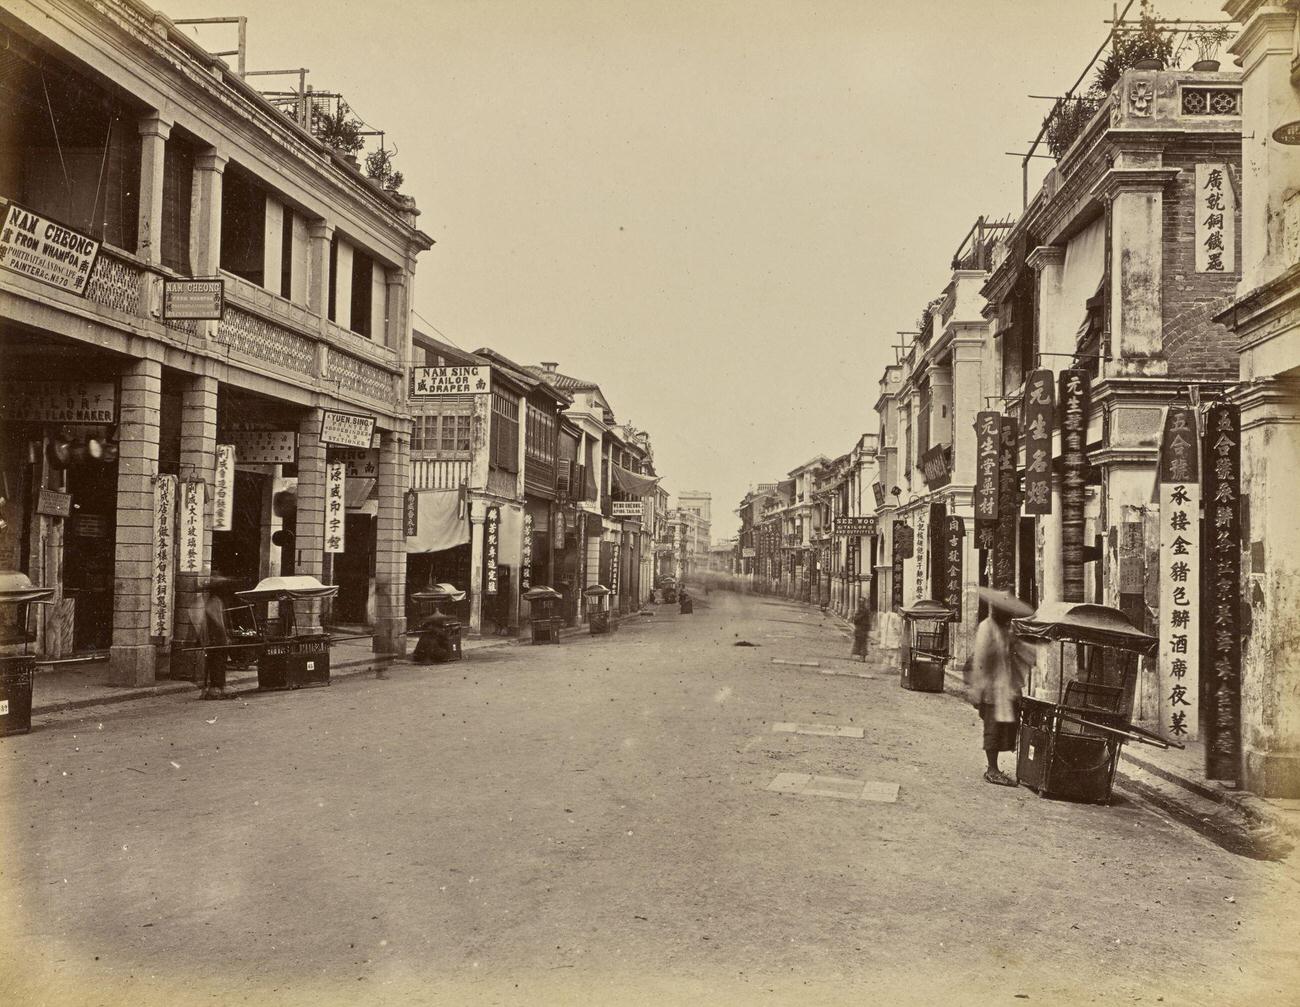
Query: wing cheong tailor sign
{"points": [[627, 508], [346, 430], [431, 382], [47, 251]]}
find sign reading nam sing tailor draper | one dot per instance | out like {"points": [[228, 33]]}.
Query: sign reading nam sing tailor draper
{"points": [[1040, 422], [431, 382], [491, 534], [988, 445], [191, 547], [1221, 626], [1216, 220], [38, 247], [336, 475], [1180, 547], [1073, 402], [223, 488], [954, 533], [162, 573], [348, 430]]}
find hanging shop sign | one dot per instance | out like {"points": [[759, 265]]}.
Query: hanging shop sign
{"points": [[1288, 134], [988, 441], [855, 524], [197, 299], [362, 463], [1040, 423], [526, 562], [561, 527], [921, 543], [954, 532], [223, 488], [1216, 220], [1004, 537], [878, 493], [1221, 593], [346, 430], [613, 567], [53, 503], [902, 549], [747, 552], [431, 382], [266, 447], [1073, 400], [851, 558], [38, 247], [627, 508], [60, 402], [410, 514], [936, 466], [163, 571], [191, 545], [491, 533], [1178, 662], [938, 548], [336, 475]]}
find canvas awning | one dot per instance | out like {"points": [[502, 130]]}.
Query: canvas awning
{"points": [[632, 484], [438, 523]]}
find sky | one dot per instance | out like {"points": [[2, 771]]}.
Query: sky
{"points": [[721, 211]]}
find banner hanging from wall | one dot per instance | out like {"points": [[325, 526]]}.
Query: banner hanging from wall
{"points": [[410, 514], [526, 559], [952, 596], [902, 550], [336, 474], [921, 549], [1178, 660], [223, 488], [1221, 627], [162, 573], [491, 532], [1040, 423], [1004, 538], [988, 442], [1073, 402], [191, 547]]}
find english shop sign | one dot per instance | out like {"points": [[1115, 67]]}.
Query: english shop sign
{"points": [[431, 382]]}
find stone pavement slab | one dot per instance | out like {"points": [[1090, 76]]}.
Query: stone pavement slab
{"points": [[834, 786], [823, 730], [796, 664]]}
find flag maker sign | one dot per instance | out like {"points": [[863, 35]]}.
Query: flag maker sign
{"points": [[1180, 561]]}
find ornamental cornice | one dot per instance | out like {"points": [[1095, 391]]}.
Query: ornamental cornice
{"points": [[1045, 255], [1120, 180]]}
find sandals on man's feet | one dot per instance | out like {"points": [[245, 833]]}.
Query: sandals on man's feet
{"points": [[999, 777]]}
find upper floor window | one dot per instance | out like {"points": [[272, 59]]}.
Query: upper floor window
{"points": [[540, 435], [504, 447]]}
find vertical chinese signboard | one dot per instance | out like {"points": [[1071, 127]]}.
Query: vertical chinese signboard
{"points": [[1040, 422], [1221, 628], [902, 549], [613, 564], [921, 541], [1004, 538], [191, 547], [954, 532], [491, 532], [162, 573], [1180, 546], [1074, 401], [988, 441], [410, 514], [526, 561], [336, 474], [1216, 205], [223, 488]]}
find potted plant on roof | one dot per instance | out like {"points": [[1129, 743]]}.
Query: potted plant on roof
{"points": [[1208, 40], [1149, 46]]}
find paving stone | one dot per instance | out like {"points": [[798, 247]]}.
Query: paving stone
{"points": [[833, 786], [796, 664], [823, 730], [790, 783], [884, 793]]}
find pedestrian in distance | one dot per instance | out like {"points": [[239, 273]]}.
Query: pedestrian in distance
{"points": [[861, 625], [997, 678]]}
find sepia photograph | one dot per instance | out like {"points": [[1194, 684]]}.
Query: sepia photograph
{"points": [[649, 502]]}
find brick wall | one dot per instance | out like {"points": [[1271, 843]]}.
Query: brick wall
{"points": [[1195, 346]]}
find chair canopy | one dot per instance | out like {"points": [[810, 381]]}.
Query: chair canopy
{"points": [[289, 588], [1084, 623]]}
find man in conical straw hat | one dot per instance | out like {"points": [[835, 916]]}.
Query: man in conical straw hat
{"points": [[997, 678]]}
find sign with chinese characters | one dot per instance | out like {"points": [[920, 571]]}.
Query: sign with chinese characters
{"points": [[921, 542], [266, 447], [1074, 400], [59, 402], [613, 566], [362, 463], [410, 514], [336, 475], [191, 547], [1221, 627], [902, 549], [953, 535], [491, 533], [1004, 538], [163, 569], [851, 558], [878, 494], [988, 444], [347, 430], [936, 466], [526, 562], [627, 508], [431, 382], [223, 488], [1180, 562], [1288, 134], [44, 250], [1216, 224], [198, 299], [1040, 424], [855, 525]]}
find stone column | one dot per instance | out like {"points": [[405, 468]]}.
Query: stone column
{"points": [[1055, 319], [390, 543], [154, 129], [967, 400], [477, 515], [205, 212], [398, 319], [320, 234], [198, 461], [309, 537], [133, 657]]}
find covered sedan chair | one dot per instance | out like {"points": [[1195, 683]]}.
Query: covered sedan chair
{"points": [[597, 608], [17, 670], [437, 633], [925, 648], [1069, 748], [546, 624], [295, 653]]}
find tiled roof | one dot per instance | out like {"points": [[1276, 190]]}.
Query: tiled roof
{"points": [[562, 381]]}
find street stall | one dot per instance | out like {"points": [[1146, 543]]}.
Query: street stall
{"points": [[294, 653], [546, 624], [924, 650], [1069, 747], [437, 633], [17, 595], [598, 608]]}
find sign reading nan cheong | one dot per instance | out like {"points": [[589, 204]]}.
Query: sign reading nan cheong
{"points": [[430, 382], [45, 250]]}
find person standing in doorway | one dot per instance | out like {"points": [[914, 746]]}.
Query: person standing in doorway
{"points": [[997, 679], [861, 626]]}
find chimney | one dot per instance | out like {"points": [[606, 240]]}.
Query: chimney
{"points": [[549, 366]]}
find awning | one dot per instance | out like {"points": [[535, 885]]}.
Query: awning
{"points": [[438, 523], [632, 484], [1085, 623]]}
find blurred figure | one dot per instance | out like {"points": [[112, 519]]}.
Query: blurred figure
{"points": [[997, 679], [861, 626]]}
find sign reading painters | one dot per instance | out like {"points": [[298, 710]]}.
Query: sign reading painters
{"points": [[1216, 223], [491, 531], [44, 250], [198, 299], [431, 382], [163, 568], [191, 547], [60, 402], [347, 430], [223, 488], [1180, 561], [336, 474]]}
